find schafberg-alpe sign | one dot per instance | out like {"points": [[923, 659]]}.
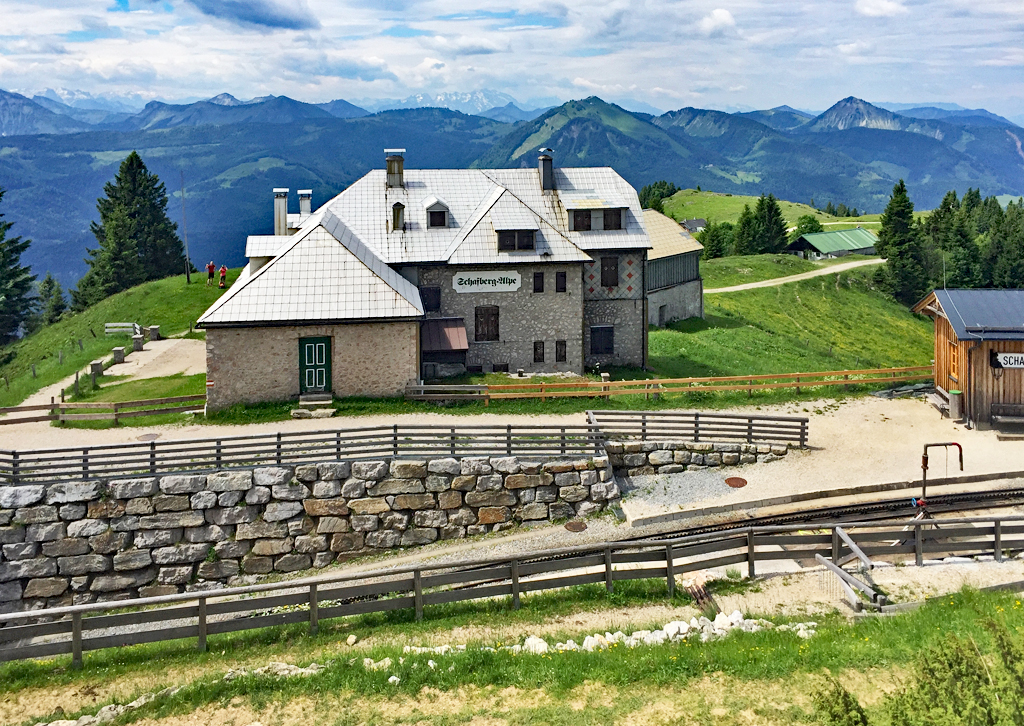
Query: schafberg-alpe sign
{"points": [[1007, 360], [486, 281]]}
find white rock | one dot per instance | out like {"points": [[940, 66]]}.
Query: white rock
{"points": [[394, 680], [695, 624], [535, 645], [431, 664], [594, 642], [676, 629], [352, 640], [805, 634], [736, 617], [722, 622], [380, 665]]}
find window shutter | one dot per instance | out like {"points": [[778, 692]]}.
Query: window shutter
{"points": [[609, 272], [560, 282], [538, 282]]}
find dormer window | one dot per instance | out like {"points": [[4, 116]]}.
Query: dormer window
{"points": [[437, 219], [581, 220], [613, 219], [511, 240], [437, 212], [398, 217]]}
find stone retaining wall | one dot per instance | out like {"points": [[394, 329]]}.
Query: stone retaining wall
{"points": [[637, 458]]}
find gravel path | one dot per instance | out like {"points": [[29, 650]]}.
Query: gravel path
{"points": [[842, 267]]}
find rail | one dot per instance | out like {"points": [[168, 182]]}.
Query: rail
{"points": [[657, 386], [80, 628], [102, 410], [157, 457]]}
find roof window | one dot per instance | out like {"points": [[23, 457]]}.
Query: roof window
{"points": [[437, 212], [510, 240]]}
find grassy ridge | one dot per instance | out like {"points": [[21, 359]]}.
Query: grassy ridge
{"points": [[690, 204], [739, 270]]}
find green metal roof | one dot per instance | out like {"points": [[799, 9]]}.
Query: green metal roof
{"points": [[840, 240]]}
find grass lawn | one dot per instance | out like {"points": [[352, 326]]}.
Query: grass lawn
{"points": [[741, 269], [114, 389], [169, 303]]}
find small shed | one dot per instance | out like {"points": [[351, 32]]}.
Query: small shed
{"points": [[819, 245], [675, 290], [979, 350]]}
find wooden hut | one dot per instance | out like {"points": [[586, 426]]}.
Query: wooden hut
{"points": [[979, 350]]}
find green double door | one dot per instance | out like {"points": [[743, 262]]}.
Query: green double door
{"points": [[314, 365]]}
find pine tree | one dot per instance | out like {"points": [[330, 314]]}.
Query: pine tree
{"points": [[899, 242], [772, 226], [964, 268], [747, 234], [805, 224], [842, 211], [17, 303], [51, 300], [1006, 248], [716, 238], [144, 244], [830, 209]]}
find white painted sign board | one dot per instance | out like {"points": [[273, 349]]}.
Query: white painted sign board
{"points": [[1010, 360], [487, 281]]}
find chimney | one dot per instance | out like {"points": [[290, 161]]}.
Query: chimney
{"points": [[305, 202], [396, 167], [280, 211], [547, 174]]}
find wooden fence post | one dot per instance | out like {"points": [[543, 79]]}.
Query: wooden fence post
{"points": [[835, 546], [14, 467], [394, 441], [798, 384], [453, 441], [218, 454], [417, 583], [152, 457], [608, 582], [751, 555], [201, 643], [33, 370], [508, 440], [278, 447], [115, 413], [314, 610], [918, 546], [696, 426], [515, 584], [999, 541], [643, 427], [670, 575], [337, 446], [76, 640], [85, 463], [562, 441]]}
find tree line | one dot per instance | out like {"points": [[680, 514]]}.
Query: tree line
{"points": [[137, 243]]}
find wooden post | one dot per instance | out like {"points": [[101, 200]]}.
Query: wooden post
{"points": [[278, 447], [76, 641], [750, 430], [152, 457], [453, 441], [835, 546], [515, 584], [314, 610], [337, 446], [798, 384], [696, 426], [85, 463], [999, 541], [751, 555], [643, 427], [508, 440], [76, 383], [417, 583], [14, 467], [846, 386], [218, 453], [80, 346], [563, 441], [605, 378], [60, 357], [918, 546], [33, 370], [670, 575], [394, 440], [608, 582], [115, 413], [201, 644], [543, 398], [750, 391]]}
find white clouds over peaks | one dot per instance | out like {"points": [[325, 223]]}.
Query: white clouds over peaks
{"points": [[717, 22], [880, 8]]}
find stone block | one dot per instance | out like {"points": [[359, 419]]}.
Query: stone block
{"points": [[546, 494], [414, 501], [588, 478], [209, 533], [158, 590], [326, 507], [87, 528], [600, 462], [327, 489], [567, 479], [10, 592], [132, 560], [560, 510], [571, 494], [257, 495], [697, 459], [46, 587], [354, 488], [203, 500], [104, 544], [475, 466], [364, 522], [505, 464], [21, 496], [613, 447], [418, 536], [103, 509], [527, 496], [660, 458], [700, 446], [492, 515], [451, 531], [633, 460], [489, 483], [726, 448], [64, 492], [748, 458], [174, 575], [138, 507], [583, 464], [36, 515], [217, 570], [20, 551], [293, 563], [558, 467], [372, 470], [763, 449], [447, 466], [229, 499], [182, 484], [681, 457], [333, 470], [277, 511], [730, 459], [23, 569], [780, 449], [80, 584], [290, 492], [253, 565], [396, 486], [347, 542], [120, 582], [712, 459], [532, 511], [233, 481], [383, 539], [157, 538], [449, 500], [261, 530], [476, 529], [604, 491], [171, 503], [373, 505], [271, 476], [672, 469], [642, 471], [394, 520], [408, 469], [490, 499], [429, 518], [133, 488], [231, 550], [462, 517], [82, 565], [6, 517], [331, 525], [632, 447], [531, 467], [181, 553], [438, 483], [322, 559], [300, 525], [306, 473], [585, 509], [309, 544], [464, 483], [172, 520], [67, 547], [45, 532]]}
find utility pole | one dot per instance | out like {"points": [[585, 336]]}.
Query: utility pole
{"points": [[184, 228]]}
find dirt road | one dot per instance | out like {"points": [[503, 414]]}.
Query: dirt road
{"points": [[842, 267]]}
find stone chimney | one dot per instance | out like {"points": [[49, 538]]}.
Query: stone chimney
{"points": [[280, 211], [547, 172], [396, 167], [305, 202]]}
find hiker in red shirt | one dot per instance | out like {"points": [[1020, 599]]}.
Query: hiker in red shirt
{"points": [[210, 270], [223, 276]]}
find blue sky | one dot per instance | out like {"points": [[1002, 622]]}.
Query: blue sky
{"points": [[665, 53]]}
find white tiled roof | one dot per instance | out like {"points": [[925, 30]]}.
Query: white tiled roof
{"points": [[326, 274], [265, 245]]}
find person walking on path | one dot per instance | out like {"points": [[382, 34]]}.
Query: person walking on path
{"points": [[210, 269], [223, 276]]}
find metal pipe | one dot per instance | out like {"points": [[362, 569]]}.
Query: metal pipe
{"points": [[922, 502]]}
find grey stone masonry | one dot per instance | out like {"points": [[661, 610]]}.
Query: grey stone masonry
{"points": [[636, 458]]}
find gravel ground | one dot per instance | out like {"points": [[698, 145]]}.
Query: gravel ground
{"points": [[670, 491]]}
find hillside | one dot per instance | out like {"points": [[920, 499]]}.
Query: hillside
{"points": [[169, 303], [724, 207]]}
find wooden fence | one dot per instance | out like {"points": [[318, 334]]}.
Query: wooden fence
{"points": [[659, 386], [156, 457], [102, 410], [76, 629]]}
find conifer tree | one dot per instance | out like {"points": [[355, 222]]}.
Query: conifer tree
{"points": [[716, 239], [143, 244], [747, 234], [17, 303], [899, 242], [772, 226], [1006, 248], [51, 300], [964, 268]]}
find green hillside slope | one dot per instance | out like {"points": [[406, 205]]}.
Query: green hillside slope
{"points": [[719, 207], [169, 303]]}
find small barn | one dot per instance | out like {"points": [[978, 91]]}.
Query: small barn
{"points": [[979, 351], [675, 290], [821, 245]]}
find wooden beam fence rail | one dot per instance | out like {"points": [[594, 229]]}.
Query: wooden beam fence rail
{"points": [[111, 410], [80, 628]]}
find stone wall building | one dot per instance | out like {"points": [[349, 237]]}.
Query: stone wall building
{"points": [[675, 290], [419, 274]]}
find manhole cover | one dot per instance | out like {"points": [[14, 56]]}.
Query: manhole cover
{"points": [[736, 482], [575, 526], [149, 437]]}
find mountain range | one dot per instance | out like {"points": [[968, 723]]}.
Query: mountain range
{"points": [[55, 156]]}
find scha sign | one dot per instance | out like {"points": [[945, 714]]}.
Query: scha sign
{"points": [[1006, 360], [486, 281]]}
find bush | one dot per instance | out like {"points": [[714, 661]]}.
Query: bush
{"points": [[837, 707]]}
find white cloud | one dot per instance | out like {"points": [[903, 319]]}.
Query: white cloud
{"points": [[717, 22], [880, 8]]}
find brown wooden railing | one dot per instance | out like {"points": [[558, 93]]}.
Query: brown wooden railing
{"points": [[102, 410]]}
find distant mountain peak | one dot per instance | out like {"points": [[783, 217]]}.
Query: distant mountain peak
{"points": [[853, 112], [224, 99]]}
